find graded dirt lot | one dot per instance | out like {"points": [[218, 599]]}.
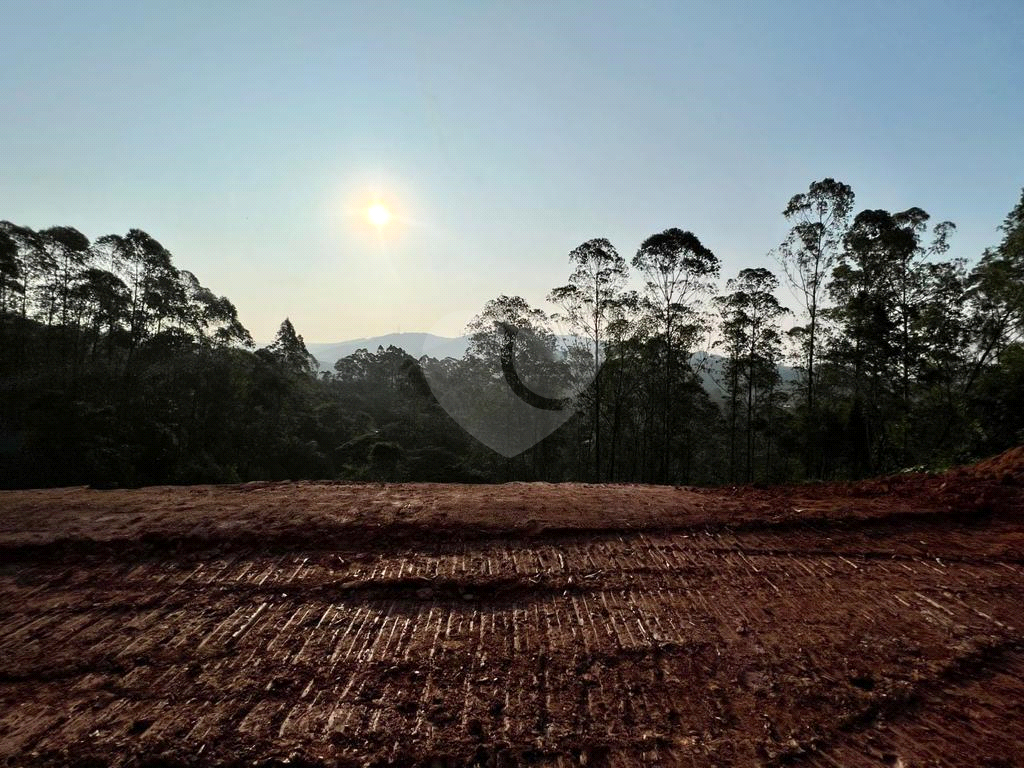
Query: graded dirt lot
{"points": [[309, 624]]}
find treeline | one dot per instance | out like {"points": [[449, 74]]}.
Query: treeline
{"points": [[119, 368]]}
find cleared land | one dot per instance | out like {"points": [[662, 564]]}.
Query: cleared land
{"points": [[328, 624]]}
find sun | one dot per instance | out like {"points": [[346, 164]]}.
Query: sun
{"points": [[378, 214]]}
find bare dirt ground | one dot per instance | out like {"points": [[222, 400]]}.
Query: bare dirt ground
{"points": [[309, 624]]}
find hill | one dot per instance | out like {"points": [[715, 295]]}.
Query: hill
{"points": [[416, 344]]}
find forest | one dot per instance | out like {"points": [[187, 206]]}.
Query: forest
{"points": [[119, 368]]}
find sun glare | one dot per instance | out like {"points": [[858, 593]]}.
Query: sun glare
{"points": [[378, 214]]}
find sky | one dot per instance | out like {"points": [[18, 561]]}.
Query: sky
{"points": [[250, 138]]}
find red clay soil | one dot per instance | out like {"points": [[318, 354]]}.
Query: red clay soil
{"points": [[322, 624]]}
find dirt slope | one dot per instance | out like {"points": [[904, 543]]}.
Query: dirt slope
{"points": [[354, 625]]}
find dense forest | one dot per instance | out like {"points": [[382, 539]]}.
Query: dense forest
{"points": [[119, 368]]}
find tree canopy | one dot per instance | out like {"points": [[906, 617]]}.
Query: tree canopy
{"points": [[119, 367]]}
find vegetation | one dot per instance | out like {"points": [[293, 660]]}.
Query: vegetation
{"points": [[119, 368]]}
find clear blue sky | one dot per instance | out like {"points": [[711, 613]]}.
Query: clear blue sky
{"points": [[249, 137]]}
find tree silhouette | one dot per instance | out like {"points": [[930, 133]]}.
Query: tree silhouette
{"points": [[119, 367], [880, 288], [68, 250], [750, 315], [10, 272], [820, 218], [587, 300], [677, 269], [289, 352]]}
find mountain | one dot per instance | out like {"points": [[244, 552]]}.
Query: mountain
{"points": [[416, 344]]}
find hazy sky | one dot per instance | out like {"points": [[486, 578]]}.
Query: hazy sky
{"points": [[249, 138]]}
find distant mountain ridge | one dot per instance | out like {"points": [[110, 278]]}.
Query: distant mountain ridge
{"points": [[416, 344]]}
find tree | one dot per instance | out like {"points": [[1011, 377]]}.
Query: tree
{"points": [[676, 269], [34, 267], [991, 386], [594, 287], [67, 250], [210, 318], [750, 315], [152, 279], [489, 331], [288, 351], [522, 383], [880, 289], [913, 290], [104, 302], [996, 294], [10, 272], [117, 366], [820, 218], [622, 367]]}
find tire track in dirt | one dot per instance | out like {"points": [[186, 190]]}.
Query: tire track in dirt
{"points": [[973, 714], [638, 649]]}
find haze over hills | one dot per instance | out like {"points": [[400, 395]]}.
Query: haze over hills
{"points": [[416, 344], [419, 344]]}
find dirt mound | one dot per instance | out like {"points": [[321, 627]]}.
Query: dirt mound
{"points": [[283, 516], [1008, 466]]}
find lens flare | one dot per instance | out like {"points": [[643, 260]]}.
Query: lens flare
{"points": [[378, 214]]}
